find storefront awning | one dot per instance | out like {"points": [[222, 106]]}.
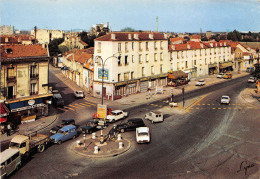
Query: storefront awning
{"points": [[3, 120], [24, 105], [3, 110], [177, 75], [225, 65]]}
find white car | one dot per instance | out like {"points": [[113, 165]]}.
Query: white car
{"points": [[225, 100], [116, 115], [251, 80], [79, 94], [221, 75], [154, 116], [142, 135], [201, 82]]}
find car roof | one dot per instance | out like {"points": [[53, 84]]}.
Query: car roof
{"points": [[135, 119], [142, 129], [225, 96], [115, 111], [156, 112], [6, 154], [67, 120], [79, 91], [68, 127]]}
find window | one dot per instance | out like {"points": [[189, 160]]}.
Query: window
{"points": [[126, 46], [119, 47], [178, 66], [152, 70], [33, 88], [140, 59], [146, 46], [143, 71], [195, 62], [119, 77], [132, 75], [132, 58], [161, 56], [126, 60], [161, 68], [23, 145], [33, 71], [132, 45], [146, 58], [119, 60], [140, 46], [126, 76], [186, 64], [155, 46], [10, 73], [99, 47], [155, 57], [161, 45]]}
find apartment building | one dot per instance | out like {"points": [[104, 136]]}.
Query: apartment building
{"points": [[6, 30], [24, 80], [44, 36], [132, 62], [200, 58]]}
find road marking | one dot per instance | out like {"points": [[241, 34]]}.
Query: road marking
{"points": [[219, 108], [208, 104], [82, 104], [197, 108], [213, 108], [152, 104], [229, 108], [62, 109], [69, 108], [90, 103], [203, 104], [224, 108], [196, 102], [156, 105]]}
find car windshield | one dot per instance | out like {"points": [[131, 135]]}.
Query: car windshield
{"points": [[224, 97], [252, 78], [201, 80], [13, 144], [142, 134], [61, 132], [79, 92], [113, 113]]}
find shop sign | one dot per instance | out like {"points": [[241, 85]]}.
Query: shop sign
{"points": [[144, 79], [105, 73], [27, 107], [31, 102], [120, 83], [102, 111]]}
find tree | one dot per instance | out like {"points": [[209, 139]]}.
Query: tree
{"points": [[128, 29], [63, 48], [53, 46], [89, 39]]}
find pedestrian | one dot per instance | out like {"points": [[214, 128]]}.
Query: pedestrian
{"points": [[2, 129], [8, 130]]}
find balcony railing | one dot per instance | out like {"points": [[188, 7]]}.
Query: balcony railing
{"points": [[11, 78], [34, 75]]}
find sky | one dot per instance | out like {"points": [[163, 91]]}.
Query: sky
{"points": [[173, 15]]}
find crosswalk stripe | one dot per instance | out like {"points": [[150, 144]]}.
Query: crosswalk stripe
{"points": [[90, 103], [62, 109], [69, 108], [84, 105], [213, 108], [219, 108]]}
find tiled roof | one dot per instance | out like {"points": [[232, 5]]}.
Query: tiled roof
{"points": [[15, 39], [79, 55], [124, 36], [90, 50], [195, 37], [188, 46], [22, 51], [176, 39], [83, 43]]}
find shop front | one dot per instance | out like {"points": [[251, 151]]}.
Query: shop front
{"points": [[131, 86], [213, 68], [28, 109], [226, 66], [120, 89], [144, 84], [177, 78]]}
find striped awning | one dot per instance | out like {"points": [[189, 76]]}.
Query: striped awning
{"points": [[225, 65], [4, 110]]}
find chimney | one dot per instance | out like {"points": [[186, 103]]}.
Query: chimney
{"points": [[201, 45], [129, 37], [188, 46], [113, 36], [150, 36], [225, 44], [211, 44], [173, 47], [165, 36], [6, 39], [136, 36], [221, 44]]}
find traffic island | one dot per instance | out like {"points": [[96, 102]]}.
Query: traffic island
{"points": [[93, 148]]}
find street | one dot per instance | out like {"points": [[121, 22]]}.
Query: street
{"points": [[209, 140]]}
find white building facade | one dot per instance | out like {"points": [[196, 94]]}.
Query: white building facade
{"points": [[133, 62]]}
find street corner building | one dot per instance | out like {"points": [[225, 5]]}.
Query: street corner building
{"points": [[24, 81]]}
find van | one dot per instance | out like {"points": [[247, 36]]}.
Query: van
{"points": [[154, 116], [10, 161], [65, 133]]}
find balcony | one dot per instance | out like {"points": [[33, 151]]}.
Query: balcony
{"points": [[34, 93], [34, 76], [11, 79]]}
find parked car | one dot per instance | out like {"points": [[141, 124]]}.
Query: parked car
{"points": [[252, 80], [154, 116], [142, 135], [220, 75], [130, 125], [225, 99], [66, 122], [57, 98], [95, 115], [92, 126], [201, 82], [65, 133], [116, 115], [54, 130], [79, 94], [228, 76]]}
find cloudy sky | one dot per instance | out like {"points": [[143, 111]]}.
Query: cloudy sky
{"points": [[174, 15]]}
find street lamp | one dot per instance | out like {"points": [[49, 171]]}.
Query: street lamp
{"points": [[103, 64]]}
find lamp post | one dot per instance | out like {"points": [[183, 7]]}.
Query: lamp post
{"points": [[102, 65]]}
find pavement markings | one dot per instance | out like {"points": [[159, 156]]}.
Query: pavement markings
{"points": [[213, 108], [219, 108]]}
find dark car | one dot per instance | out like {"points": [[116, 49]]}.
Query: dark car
{"points": [[55, 129], [130, 125], [92, 126], [66, 122], [57, 98]]}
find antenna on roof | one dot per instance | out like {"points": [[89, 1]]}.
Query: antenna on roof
{"points": [[157, 22], [35, 29]]}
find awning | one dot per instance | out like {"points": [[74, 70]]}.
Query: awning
{"points": [[24, 105], [225, 65], [3, 110], [3, 120], [177, 75]]}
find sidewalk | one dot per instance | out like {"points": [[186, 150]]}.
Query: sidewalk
{"points": [[30, 127], [250, 96]]}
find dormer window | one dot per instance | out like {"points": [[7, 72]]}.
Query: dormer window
{"points": [[9, 51], [129, 37], [113, 36], [150, 36], [136, 36]]}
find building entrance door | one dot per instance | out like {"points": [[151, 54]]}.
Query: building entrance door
{"points": [[10, 92]]}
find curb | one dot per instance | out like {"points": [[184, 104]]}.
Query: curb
{"points": [[48, 124], [103, 156], [244, 98]]}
